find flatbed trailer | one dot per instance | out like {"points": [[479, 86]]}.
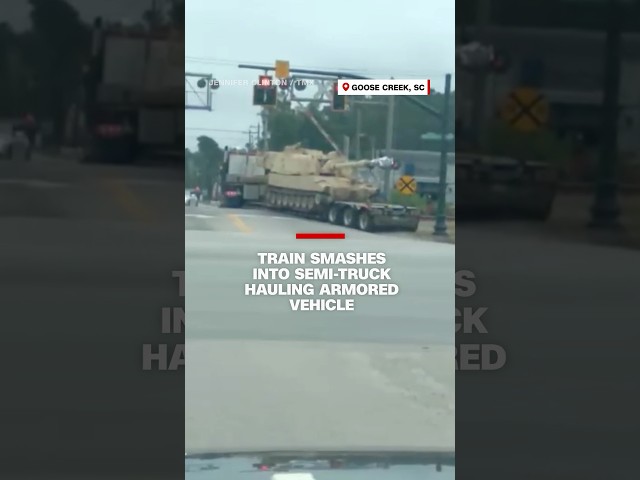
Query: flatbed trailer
{"points": [[244, 184], [365, 216], [371, 217]]}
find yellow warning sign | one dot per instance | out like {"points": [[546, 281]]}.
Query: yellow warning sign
{"points": [[406, 185], [282, 69], [525, 109]]}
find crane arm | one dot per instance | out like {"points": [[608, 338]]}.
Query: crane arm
{"points": [[324, 133]]}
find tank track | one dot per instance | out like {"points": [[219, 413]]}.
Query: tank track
{"points": [[297, 200]]}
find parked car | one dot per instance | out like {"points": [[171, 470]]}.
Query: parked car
{"points": [[5, 146], [15, 146], [190, 199]]}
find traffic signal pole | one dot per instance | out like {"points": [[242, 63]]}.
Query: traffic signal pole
{"points": [[480, 78], [389, 145], [441, 224], [440, 227], [605, 211]]}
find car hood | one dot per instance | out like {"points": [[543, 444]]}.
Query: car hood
{"points": [[322, 465]]}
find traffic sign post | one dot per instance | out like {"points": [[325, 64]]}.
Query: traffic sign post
{"points": [[406, 185], [525, 109]]}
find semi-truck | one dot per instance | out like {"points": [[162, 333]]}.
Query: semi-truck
{"points": [[312, 184], [134, 95]]}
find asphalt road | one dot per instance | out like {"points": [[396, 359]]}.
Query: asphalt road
{"points": [[563, 306], [260, 375], [86, 254]]}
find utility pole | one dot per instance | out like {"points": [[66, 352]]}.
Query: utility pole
{"points": [[258, 135], [606, 211], [265, 130], [346, 146], [440, 227], [483, 13], [389, 145], [358, 132]]}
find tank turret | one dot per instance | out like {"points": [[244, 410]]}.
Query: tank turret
{"points": [[301, 175]]}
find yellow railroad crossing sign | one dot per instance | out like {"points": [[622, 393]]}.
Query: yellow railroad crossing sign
{"points": [[406, 185], [282, 69], [525, 109]]}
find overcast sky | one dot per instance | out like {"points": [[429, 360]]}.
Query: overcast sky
{"points": [[400, 38]]}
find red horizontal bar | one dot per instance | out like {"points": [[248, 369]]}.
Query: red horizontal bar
{"points": [[320, 236]]}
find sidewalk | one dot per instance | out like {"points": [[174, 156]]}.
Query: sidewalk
{"points": [[571, 215], [425, 231]]}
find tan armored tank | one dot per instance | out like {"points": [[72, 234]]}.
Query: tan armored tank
{"points": [[304, 179]]}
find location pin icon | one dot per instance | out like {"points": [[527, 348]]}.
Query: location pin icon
{"points": [[345, 86]]}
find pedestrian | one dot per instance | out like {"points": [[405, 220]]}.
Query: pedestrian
{"points": [[28, 127]]}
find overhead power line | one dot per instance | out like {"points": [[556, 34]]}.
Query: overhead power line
{"points": [[376, 73], [221, 130]]}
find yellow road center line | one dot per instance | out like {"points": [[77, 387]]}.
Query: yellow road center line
{"points": [[128, 201], [239, 223]]}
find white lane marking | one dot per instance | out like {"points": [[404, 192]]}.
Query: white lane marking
{"points": [[249, 215], [242, 215], [33, 183]]}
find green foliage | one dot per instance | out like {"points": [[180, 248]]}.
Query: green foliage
{"points": [[288, 125], [542, 145], [42, 67], [414, 200], [202, 166]]}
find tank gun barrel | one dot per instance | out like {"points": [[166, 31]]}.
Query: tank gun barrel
{"points": [[381, 162]]}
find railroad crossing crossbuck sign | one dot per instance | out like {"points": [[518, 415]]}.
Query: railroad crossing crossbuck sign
{"points": [[406, 185], [525, 109]]}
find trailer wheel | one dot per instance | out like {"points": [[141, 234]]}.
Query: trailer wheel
{"points": [[349, 217], [364, 221], [335, 215]]}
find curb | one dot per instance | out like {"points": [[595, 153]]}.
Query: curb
{"points": [[582, 187], [433, 217]]}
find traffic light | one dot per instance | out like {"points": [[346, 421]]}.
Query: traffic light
{"points": [[339, 102], [265, 96]]}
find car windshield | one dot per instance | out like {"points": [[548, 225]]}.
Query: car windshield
{"points": [[319, 308], [330, 467]]}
